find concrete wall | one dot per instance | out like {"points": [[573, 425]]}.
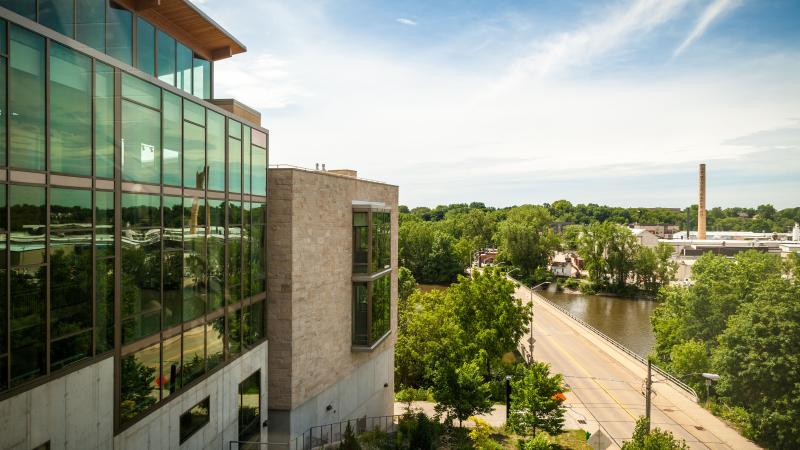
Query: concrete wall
{"points": [[309, 273], [76, 411]]}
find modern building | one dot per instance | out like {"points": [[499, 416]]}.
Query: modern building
{"points": [[332, 292], [132, 231]]}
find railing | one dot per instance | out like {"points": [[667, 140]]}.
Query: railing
{"points": [[306, 169], [610, 340]]}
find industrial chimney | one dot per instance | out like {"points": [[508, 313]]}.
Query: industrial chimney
{"points": [[701, 209]]}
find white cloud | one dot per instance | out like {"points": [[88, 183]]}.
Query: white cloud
{"points": [[408, 22], [713, 11]]}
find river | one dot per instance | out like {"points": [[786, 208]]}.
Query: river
{"points": [[626, 321]]}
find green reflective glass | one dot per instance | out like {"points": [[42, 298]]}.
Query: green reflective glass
{"points": [[171, 366], [360, 312], [141, 210], [246, 250], [173, 297], [234, 333], [194, 113], [28, 224], [139, 382], [234, 129], [184, 68], [25, 8], [202, 78], [141, 143], [3, 254], [254, 329], [145, 46], [381, 241], [194, 357], [104, 227], [234, 264], [26, 100], [215, 151], [104, 307], [3, 28], [194, 212], [119, 33], [28, 325], [381, 307], [166, 58], [172, 139], [3, 111], [58, 15], [173, 215], [259, 171], [234, 212], [70, 111], [215, 346], [195, 273], [104, 120], [90, 26], [234, 165], [141, 91], [194, 156], [70, 208], [246, 160], [141, 283]]}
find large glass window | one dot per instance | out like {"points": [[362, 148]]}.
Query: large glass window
{"points": [[25, 8], [145, 46], [57, 15], [28, 225], [194, 419], [166, 58], [360, 241], [249, 404], [172, 139], [104, 295], [215, 146], [194, 358], [371, 310], [173, 261], [184, 68], [258, 270], [3, 111], [90, 23], [202, 78], [259, 156], [215, 346], [139, 382], [381, 241], [70, 276], [171, 366], [3, 293], [246, 179], [141, 143], [216, 254], [194, 156], [360, 314], [119, 33], [234, 159], [26, 100], [381, 307], [104, 120], [70, 111], [195, 271]]}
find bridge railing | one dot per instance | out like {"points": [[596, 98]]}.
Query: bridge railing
{"points": [[680, 384]]}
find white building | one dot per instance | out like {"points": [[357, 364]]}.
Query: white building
{"points": [[645, 238]]}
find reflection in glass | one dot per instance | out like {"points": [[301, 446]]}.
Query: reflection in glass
{"points": [[194, 419], [28, 225], [215, 147], [57, 15], [104, 314], [70, 349], [25, 8], [202, 78], [28, 326], [141, 283], [234, 264], [194, 360], [259, 170], [255, 322], [26, 100], [234, 333], [141, 143], [166, 58], [216, 254], [381, 241], [194, 273], [145, 46], [215, 330], [249, 404], [246, 134], [381, 307], [171, 368], [104, 120], [246, 251], [141, 210], [360, 309], [172, 139], [184, 68], [3, 111], [104, 227], [139, 382], [360, 242], [119, 33], [141, 91], [194, 156], [173, 296], [90, 23], [234, 165], [194, 113]]}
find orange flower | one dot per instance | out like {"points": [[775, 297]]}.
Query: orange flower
{"points": [[559, 397]]}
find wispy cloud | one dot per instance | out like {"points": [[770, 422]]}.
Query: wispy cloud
{"points": [[405, 21], [713, 11]]}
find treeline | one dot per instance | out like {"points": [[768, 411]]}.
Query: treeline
{"points": [[740, 319]]}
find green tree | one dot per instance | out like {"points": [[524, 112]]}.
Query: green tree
{"points": [[609, 251], [655, 439], [406, 284], [690, 357], [526, 238], [349, 441], [460, 390], [536, 401]]}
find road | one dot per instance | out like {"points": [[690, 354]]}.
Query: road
{"points": [[606, 386]]}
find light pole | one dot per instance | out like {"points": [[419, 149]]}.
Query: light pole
{"points": [[508, 397]]}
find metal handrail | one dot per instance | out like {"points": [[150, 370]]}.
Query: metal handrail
{"points": [[613, 342]]}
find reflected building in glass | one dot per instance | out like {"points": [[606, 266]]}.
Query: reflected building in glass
{"points": [[132, 229]]}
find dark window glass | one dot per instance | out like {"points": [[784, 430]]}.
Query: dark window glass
{"points": [[173, 299], [141, 138], [194, 419], [139, 386], [3, 293], [119, 33], [194, 156], [259, 168], [171, 367], [215, 330], [141, 91], [234, 333], [234, 264], [28, 326], [91, 22], [3, 26], [3, 111], [25, 8], [166, 58], [173, 215], [194, 213], [194, 273], [141, 283], [145, 46], [104, 120], [70, 275], [28, 225], [381, 307], [184, 68], [257, 246], [360, 308], [57, 15], [234, 212], [104, 318], [381, 241], [255, 323], [246, 160], [172, 139], [141, 210], [202, 78], [26, 100], [70, 111], [216, 254], [234, 165], [246, 250], [194, 358], [104, 227], [216, 151], [249, 404], [360, 241]]}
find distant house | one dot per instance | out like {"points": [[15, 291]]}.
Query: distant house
{"points": [[645, 238], [487, 257], [660, 230], [566, 265]]}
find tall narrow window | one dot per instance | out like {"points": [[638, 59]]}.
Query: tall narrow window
{"points": [[70, 111], [104, 271], [172, 139], [26, 100], [139, 382], [184, 68], [90, 23], [215, 151], [145, 46], [194, 419], [3, 111], [119, 33], [3, 293], [202, 78], [360, 241], [166, 58], [57, 15], [104, 120]]}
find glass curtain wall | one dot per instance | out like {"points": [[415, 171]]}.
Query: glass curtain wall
{"points": [[371, 295]]}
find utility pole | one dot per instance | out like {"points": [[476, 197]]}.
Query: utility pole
{"points": [[648, 392]]}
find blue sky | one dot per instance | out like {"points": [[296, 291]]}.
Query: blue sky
{"points": [[511, 102]]}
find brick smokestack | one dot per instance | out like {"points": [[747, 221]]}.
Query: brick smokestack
{"points": [[701, 209]]}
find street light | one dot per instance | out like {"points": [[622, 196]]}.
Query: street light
{"points": [[710, 378], [508, 397]]}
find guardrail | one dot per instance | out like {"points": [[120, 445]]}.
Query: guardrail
{"points": [[613, 342]]}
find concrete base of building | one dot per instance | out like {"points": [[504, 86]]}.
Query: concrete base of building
{"points": [[367, 392]]}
